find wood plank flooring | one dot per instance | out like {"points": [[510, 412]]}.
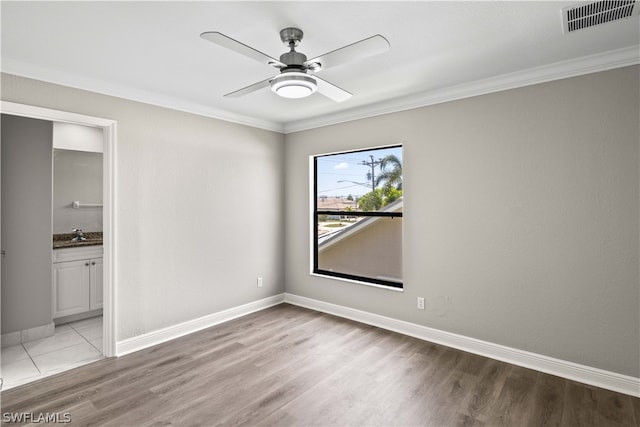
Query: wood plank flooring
{"points": [[289, 366]]}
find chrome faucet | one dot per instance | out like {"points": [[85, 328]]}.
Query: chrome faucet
{"points": [[79, 235]]}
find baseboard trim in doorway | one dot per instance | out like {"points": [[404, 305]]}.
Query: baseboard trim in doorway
{"points": [[26, 335], [561, 368], [150, 339]]}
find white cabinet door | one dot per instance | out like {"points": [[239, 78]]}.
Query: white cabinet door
{"points": [[70, 287], [96, 280]]}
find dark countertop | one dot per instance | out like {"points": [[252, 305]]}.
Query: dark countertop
{"points": [[94, 238]]}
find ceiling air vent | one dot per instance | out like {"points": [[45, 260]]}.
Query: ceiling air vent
{"points": [[587, 15]]}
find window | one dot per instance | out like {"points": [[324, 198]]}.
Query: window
{"points": [[357, 215]]}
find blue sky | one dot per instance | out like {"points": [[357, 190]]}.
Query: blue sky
{"points": [[348, 167]]}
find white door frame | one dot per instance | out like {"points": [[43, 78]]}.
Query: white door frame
{"points": [[109, 201]]}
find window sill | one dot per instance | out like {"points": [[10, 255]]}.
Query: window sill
{"points": [[358, 282]]}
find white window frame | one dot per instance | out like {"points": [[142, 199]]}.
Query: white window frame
{"points": [[384, 283]]}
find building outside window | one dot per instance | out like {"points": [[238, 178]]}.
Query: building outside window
{"points": [[357, 216]]}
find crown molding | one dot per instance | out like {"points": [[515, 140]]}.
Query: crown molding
{"points": [[560, 70], [18, 68]]}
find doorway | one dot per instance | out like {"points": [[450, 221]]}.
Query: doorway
{"points": [[108, 130]]}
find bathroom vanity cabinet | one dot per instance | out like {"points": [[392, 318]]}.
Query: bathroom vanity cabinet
{"points": [[77, 280]]}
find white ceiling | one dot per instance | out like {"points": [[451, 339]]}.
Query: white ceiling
{"points": [[152, 52]]}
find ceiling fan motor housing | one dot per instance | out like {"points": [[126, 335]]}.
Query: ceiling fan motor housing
{"points": [[293, 58]]}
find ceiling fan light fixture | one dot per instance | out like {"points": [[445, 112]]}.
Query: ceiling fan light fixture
{"points": [[293, 85]]}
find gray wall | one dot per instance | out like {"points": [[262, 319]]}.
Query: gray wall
{"points": [[77, 175], [199, 207], [26, 223], [520, 217], [521, 214]]}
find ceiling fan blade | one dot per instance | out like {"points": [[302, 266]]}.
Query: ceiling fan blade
{"points": [[251, 88], [331, 91], [373, 45], [241, 48]]}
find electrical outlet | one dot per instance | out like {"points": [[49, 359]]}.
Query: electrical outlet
{"points": [[259, 282], [420, 303]]}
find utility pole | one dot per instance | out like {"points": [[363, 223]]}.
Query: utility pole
{"points": [[373, 163]]}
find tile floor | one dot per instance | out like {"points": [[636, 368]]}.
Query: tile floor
{"points": [[71, 345]]}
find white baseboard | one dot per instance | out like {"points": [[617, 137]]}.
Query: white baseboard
{"points": [[26, 335], [162, 335], [561, 368]]}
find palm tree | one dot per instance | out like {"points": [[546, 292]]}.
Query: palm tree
{"points": [[390, 172]]}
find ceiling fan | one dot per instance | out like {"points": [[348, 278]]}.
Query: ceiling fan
{"points": [[297, 77]]}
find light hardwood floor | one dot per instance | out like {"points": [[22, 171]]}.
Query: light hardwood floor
{"points": [[292, 366]]}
